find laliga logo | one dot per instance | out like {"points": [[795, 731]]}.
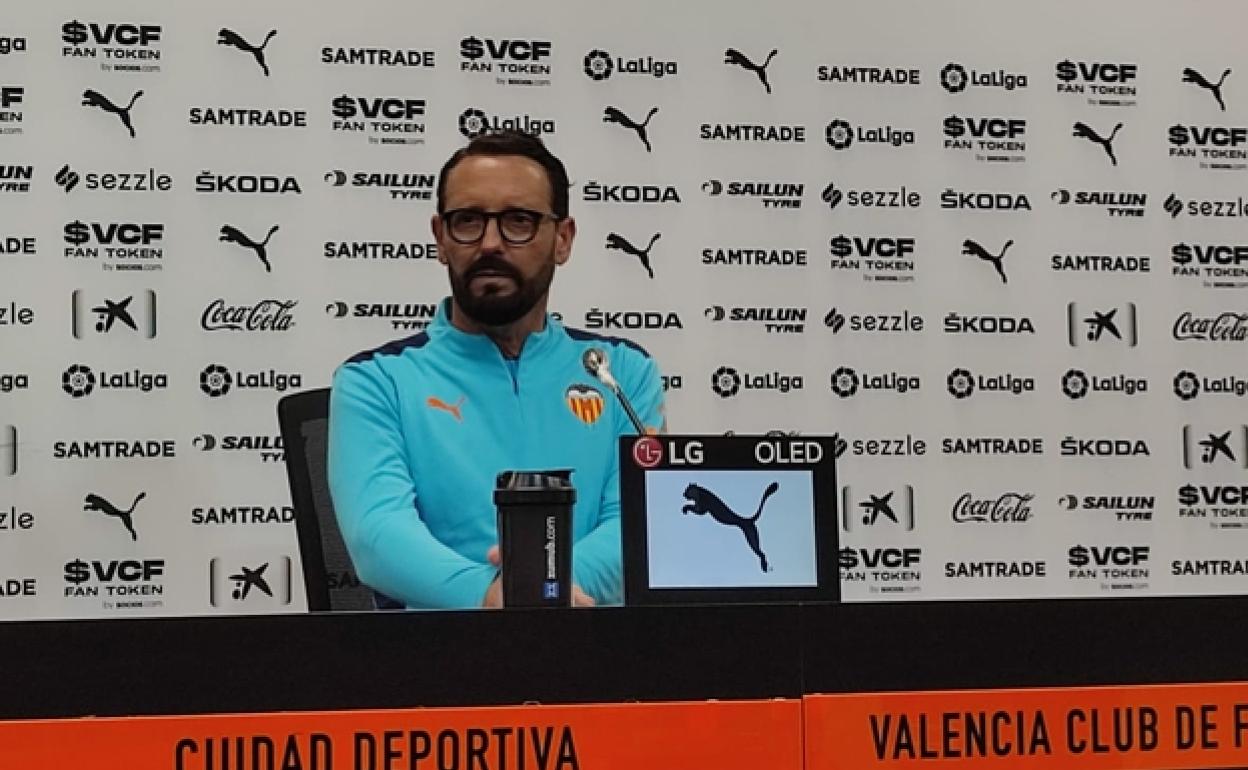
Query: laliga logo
{"points": [[598, 65]]}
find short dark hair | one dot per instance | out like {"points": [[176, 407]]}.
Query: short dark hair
{"points": [[509, 142]]}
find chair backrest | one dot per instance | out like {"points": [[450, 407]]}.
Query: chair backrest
{"points": [[328, 574]]}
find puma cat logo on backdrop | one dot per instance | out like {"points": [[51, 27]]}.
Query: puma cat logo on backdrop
{"points": [[704, 501], [971, 248], [96, 99], [231, 234], [94, 502], [231, 38], [619, 242], [733, 56], [612, 115]]}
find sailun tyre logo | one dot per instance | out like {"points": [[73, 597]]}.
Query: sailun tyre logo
{"points": [[961, 383], [726, 382], [472, 123], [78, 381], [844, 382], [839, 134], [598, 65], [1186, 385], [215, 380], [953, 77], [1075, 383]]}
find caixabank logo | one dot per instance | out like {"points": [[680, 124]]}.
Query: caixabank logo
{"points": [[128, 47], [1078, 384], [956, 78], [132, 314], [1215, 265], [769, 195], [842, 134], [848, 382], [120, 246], [11, 113], [878, 258], [728, 381], [116, 584], [218, 380], [474, 122], [1218, 506], [1109, 567], [883, 570], [1102, 325], [984, 200], [1114, 203], [905, 322], [962, 384], [379, 251], [1117, 507], [79, 381], [399, 186], [848, 74], [69, 179], [600, 65], [1224, 447], [1224, 326], [986, 138], [882, 510], [265, 315], [247, 184], [377, 56], [753, 256], [1209, 148], [16, 179], [896, 198], [233, 515], [1188, 385], [393, 315], [1098, 83], [260, 584], [511, 61], [262, 447], [381, 119], [773, 319]]}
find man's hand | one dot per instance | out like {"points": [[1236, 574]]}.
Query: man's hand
{"points": [[494, 594]]}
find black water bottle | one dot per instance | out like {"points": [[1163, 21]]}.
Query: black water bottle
{"points": [[535, 537]]}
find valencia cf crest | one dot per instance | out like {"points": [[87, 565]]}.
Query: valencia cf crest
{"points": [[585, 402]]}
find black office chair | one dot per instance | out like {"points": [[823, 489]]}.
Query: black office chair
{"points": [[328, 574]]}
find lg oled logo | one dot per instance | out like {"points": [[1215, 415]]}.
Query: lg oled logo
{"points": [[600, 65], [955, 78], [513, 62], [1111, 324], [474, 122]]}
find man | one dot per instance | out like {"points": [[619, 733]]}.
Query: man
{"points": [[420, 427]]}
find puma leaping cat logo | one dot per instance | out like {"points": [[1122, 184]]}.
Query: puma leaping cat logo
{"points": [[612, 115], [452, 409], [232, 38], [96, 99], [1192, 76], [704, 501], [971, 248], [733, 56], [1084, 131], [619, 242], [234, 235], [97, 503]]}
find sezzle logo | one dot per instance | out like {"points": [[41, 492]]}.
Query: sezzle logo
{"points": [[1215, 89], [880, 509], [208, 182], [962, 384], [599, 65], [882, 570], [1220, 264], [249, 117], [1102, 325], [778, 320], [846, 382], [1116, 204], [400, 186], [13, 314], [474, 122], [266, 315], [618, 242], [1084, 131], [231, 234], [216, 380], [971, 248], [983, 201], [596, 192], [1115, 567], [513, 62], [270, 449], [597, 318], [79, 380], [136, 181], [881, 199], [1006, 508], [772, 195], [16, 179], [1224, 506], [877, 322], [379, 250], [987, 324], [988, 139], [1106, 82], [11, 119], [1187, 385], [404, 316], [754, 257], [733, 56], [121, 46], [228, 37], [751, 132], [1123, 508], [887, 258], [129, 583], [1215, 148], [1219, 447], [131, 244], [1076, 384], [15, 520], [378, 57], [1227, 326], [841, 135], [728, 382], [955, 78], [384, 120], [113, 314], [907, 446], [1073, 446], [614, 115]]}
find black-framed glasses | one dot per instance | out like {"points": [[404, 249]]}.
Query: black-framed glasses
{"points": [[516, 226]]}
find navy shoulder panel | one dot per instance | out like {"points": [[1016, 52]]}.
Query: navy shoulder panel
{"points": [[580, 335], [392, 348]]}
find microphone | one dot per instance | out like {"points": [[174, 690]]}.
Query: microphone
{"points": [[595, 362]]}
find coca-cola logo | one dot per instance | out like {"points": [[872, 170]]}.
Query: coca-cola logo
{"points": [[1224, 327], [266, 315], [1009, 508]]}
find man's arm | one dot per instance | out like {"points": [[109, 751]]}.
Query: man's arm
{"points": [[375, 501], [597, 561]]}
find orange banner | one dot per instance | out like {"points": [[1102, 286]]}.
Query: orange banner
{"points": [[739, 735], [1145, 727]]}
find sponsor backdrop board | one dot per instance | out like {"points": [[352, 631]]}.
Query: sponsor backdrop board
{"points": [[998, 247]]}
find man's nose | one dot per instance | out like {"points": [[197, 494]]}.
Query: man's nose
{"points": [[492, 238]]}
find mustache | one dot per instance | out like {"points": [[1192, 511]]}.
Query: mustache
{"points": [[491, 264]]}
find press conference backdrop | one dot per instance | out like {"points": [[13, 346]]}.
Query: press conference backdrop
{"points": [[998, 247]]}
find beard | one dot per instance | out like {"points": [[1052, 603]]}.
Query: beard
{"points": [[491, 307]]}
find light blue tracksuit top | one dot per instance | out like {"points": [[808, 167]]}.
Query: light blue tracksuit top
{"points": [[420, 427]]}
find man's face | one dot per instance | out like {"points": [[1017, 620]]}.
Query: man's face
{"points": [[495, 282]]}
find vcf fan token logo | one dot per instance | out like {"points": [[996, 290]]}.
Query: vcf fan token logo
{"points": [[954, 78], [647, 452], [598, 65], [215, 380], [726, 382], [585, 402]]}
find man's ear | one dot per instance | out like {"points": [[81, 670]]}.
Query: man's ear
{"points": [[565, 233], [435, 224]]}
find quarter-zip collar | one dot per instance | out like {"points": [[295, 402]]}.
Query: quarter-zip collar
{"points": [[479, 347]]}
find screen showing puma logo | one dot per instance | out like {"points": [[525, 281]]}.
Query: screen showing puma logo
{"points": [[971, 248], [232, 38], [452, 409], [96, 99], [1084, 131], [733, 56], [619, 242], [1192, 76], [231, 234], [94, 502], [703, 501], [612, 115]]}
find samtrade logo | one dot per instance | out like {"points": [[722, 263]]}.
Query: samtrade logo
{"points": [[598, 65], [726, 382], [1084, 131], [733, 56], [1195, 78], [78, 380], [230, 38], [215, 380], [1102, 325], [613, 115], [954, 78]]}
